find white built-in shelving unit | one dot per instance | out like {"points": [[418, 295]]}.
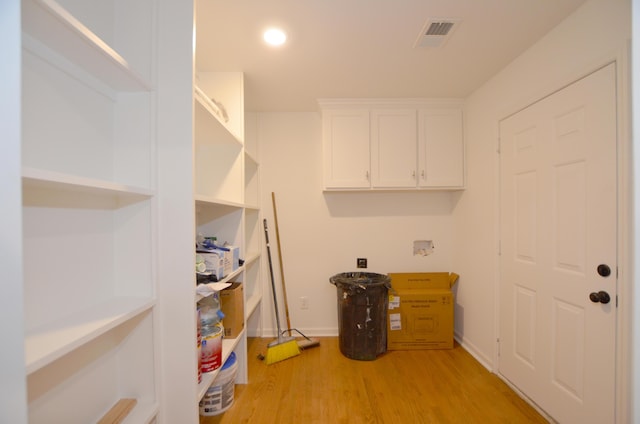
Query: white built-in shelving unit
{"points": [[88, 208], [226, 191], [111, 165]]}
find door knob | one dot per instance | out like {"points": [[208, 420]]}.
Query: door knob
{"points": [[600, 297], [604, 270]]}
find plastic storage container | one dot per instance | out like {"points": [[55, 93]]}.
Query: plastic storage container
{"points": [[219, 397], [362, 313]]}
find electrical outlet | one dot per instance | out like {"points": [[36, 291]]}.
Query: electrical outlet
{"points": [[304, 302], [362, 263]]}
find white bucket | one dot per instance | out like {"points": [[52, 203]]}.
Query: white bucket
{"points": [[219, 396]]}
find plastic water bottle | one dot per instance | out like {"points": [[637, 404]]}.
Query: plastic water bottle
{"points": [[210, 313], [211, 332]]}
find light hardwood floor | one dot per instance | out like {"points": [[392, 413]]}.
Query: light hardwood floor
{"points": [[323, 386]]}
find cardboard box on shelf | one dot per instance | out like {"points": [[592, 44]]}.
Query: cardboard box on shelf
{"points": [[232, 305], [420, 314]]}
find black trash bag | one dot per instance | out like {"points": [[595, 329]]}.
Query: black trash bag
{"points": [[363, 299]]}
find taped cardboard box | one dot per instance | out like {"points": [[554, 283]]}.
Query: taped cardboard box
{"points": [[232, 305], [420, 314]]}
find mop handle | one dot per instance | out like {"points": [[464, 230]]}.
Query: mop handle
{"points": [[273, 285]]}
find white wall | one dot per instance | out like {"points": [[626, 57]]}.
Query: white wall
{"points": [[322, 234], [593, 35]]}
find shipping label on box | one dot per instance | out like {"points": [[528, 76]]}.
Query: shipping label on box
{"points": [[232, 305], [420, 312]]}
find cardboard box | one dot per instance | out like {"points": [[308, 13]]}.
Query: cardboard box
{"points": [[420, 314], [232, 305]]}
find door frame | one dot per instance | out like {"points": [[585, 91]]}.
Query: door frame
{"points": [[624, 378]]}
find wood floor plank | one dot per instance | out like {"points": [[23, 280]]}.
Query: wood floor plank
{"points": [[323, 386]]}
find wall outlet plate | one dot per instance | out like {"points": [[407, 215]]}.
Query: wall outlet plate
{"points": [[361, 263]]}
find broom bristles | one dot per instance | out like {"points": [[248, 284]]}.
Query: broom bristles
{"points": [[279, 351], [306, 342]]}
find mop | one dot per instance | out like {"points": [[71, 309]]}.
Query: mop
{"points": [[306, 342], [283, 347]]}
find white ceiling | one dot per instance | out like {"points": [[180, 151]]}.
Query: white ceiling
{"points": [[365, 48]]}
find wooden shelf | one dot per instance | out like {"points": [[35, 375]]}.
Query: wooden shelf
{"points": [[49, 180], [144, 412], [49, 22], [51, 341], [216, 202], [210, 122]]}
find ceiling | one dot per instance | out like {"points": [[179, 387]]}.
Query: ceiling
{"points": [[365, 48]]}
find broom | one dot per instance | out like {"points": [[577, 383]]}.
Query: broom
{"points": [[283, 347], [307, 342]]}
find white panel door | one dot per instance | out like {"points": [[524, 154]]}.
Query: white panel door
{"points": [[394, 148], [558, 237]]}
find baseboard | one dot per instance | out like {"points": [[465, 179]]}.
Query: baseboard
{"points": [[488, 364], [313, 332], [475, 352], [527, 399]]}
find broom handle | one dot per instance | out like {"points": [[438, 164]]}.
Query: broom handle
{"points": [[273, 284], [284, 287]]}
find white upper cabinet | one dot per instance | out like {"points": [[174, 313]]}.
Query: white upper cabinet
{"points": [[392, 144], [346, 148], [393, 148], [440, 148]]}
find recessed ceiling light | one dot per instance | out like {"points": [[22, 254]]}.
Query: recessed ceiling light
{"points": [[275, 36]]}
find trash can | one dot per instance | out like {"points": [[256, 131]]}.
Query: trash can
{"points": [[362, 314]]}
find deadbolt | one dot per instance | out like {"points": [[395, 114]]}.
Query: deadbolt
{"points": [[604, 270]]}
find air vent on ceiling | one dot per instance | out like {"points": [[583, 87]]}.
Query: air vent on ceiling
{"points": [[436, 32]]}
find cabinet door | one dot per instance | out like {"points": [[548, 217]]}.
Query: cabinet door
{"points": [[441, 148], [346, 148], [393, 148]]}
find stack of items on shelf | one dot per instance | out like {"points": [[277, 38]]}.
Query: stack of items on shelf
{"points": [[220, 395], [215, 267]]}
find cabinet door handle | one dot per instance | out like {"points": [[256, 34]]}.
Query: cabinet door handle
{"points": [[413, 174], [422, 174], [366, 174]]}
